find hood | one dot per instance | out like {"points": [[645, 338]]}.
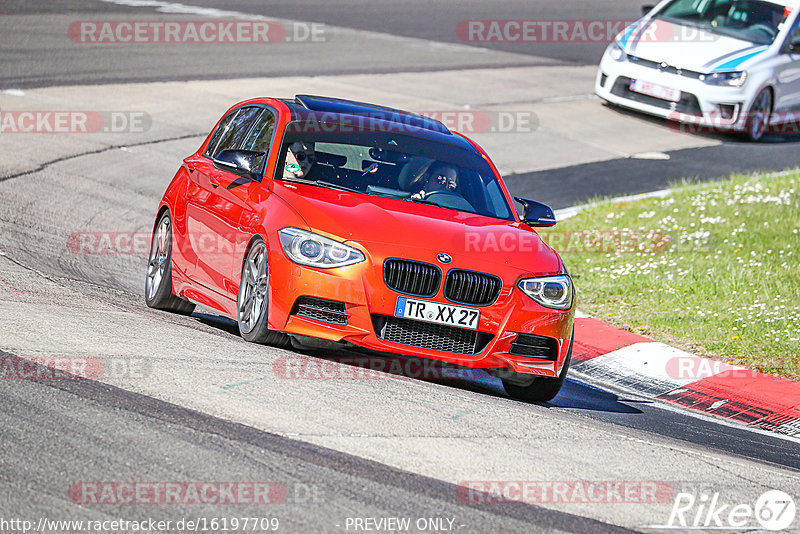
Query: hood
{"points": [[480, 241], [687, 47]]}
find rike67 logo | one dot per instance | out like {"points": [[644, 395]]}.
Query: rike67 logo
{"points": [[774, 511]]}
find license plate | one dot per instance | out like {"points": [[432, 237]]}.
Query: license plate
{"points": [[658, 91], [434, 312]]}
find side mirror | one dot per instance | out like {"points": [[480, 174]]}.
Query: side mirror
{"points": [[240, 162], [536, 214], [647, 8], [792, 48]]}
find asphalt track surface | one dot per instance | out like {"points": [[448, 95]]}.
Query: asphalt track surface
{"points": [[57, 433]]}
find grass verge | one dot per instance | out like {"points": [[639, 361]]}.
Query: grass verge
{"points": [[713, 268]]}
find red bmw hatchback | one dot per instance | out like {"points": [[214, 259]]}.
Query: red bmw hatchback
{"points": [[359, 224]]}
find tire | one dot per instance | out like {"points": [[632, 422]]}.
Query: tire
{"points": [[759, 115], [540, 389], [158, 281], [252, 302]]}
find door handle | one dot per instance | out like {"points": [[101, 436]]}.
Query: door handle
{"points": [[214, 182]]}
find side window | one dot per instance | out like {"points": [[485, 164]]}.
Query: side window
{"points": [[260, 137], [223, 126], [235, 131], [794, 39]]}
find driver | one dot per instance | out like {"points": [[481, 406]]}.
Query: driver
{"points": [[299, 159], [439, 177]]}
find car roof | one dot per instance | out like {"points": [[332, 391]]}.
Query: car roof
{"points": [[381, 118]]}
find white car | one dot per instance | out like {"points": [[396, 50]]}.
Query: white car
{"points": [[726, 65]]}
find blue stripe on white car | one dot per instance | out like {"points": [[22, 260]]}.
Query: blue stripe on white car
{"points": [[642, 30], [735, 62], [730, 55], [623, 42]]}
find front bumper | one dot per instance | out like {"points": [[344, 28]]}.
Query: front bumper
{"points": [[707, 106], [368, 302]]}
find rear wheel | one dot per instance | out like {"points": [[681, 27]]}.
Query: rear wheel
{"points": [[539, 389], [158, 284], [759, 115], [253, 300]]}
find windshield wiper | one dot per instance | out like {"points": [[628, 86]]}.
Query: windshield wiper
{"points": [[321, 183], [423, 201], [429, 203], [331, 185], [701, 24]]}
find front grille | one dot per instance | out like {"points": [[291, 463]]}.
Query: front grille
{"points": [[412, 277], [688, 103], [327, 311], [668, 69], [429, 335], [535, 347], [469, 287]]}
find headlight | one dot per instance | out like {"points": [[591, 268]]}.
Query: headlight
{"points": [[616, 52], [308, 248], [726, 79], [550, 291]]}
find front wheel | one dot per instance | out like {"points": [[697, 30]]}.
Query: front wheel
{"points": [[540, 389], [158, 283], [759, 115], [253, 299]]}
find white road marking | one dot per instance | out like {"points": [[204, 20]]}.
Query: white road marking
{"points": [[651, 155], [643, 367], [717, 405], [569, 98], [566, 213], [606, 385]]}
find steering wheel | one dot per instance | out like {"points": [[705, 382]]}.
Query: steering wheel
{"points": [[449, 199]]}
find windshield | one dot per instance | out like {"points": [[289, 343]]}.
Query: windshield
{"points": [[756, 21], [397, 166]]}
